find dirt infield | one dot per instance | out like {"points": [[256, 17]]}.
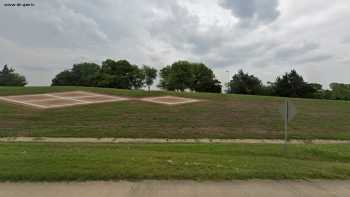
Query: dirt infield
{"points": [[63, 99], [170, 100]]}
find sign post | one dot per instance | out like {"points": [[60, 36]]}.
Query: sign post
{"points": [[288, 112]]}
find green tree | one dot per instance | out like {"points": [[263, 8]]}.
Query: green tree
{"points": [[178, 76], [316, 86], [83, 74], [215, 86], [121, 74], [183, 75], [204, 79], [64, 78], [293, 85], [165, 79], [243, 83], [137, 78], [86, 73], [8, 77], [340, 91], [319, 92], [150, 76]]}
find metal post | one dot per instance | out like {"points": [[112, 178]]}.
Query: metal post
{"points": [[286, 125]]}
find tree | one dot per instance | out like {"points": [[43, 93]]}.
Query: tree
{"points": [[113, 74], [137, 78], [178, 76], [83, 74], [165, 79], [215, 86], [319, 93], [86, 73], [121, 74], [204, 79], [150, 76], [340, 91], [64, 78], [243, 83], [316, 86], [183, 75], [293, 85], [8, 77]]}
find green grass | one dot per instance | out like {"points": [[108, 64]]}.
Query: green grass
{"points": [[67, 162], [218, 116]]}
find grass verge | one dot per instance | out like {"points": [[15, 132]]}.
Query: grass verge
{"points": [[80, 162]]}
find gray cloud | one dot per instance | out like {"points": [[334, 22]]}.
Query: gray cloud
{"points": [[346, 40], [51, 24], [183, 32], [238, 55], [295, 50], [253, 11], [314, 59]]}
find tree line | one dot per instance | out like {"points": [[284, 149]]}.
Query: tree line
{"points": [[291, 84], [181, 76], [111, 74]]}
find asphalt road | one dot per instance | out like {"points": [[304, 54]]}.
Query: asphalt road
{"points": [[315, 188]]}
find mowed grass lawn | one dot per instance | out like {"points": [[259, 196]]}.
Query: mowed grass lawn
{"points": [[80, 162], [217, 116]]}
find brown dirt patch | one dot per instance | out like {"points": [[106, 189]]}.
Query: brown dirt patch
{"points": [[61, 99], [169, 100], [29, 97], [100, 98], [74, 94], [55, 102]]}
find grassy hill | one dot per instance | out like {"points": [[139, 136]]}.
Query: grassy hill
{"points": [[218, 116]]}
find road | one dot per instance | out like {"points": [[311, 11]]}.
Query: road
{"points": [[253, 188]]}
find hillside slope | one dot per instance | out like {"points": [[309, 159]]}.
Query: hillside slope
{"points": [[217, 116]]}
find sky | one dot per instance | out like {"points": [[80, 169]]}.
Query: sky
{"points": [[263, 37]]}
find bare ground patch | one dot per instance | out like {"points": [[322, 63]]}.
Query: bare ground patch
{"points": [[170, 100], [61, 99]]}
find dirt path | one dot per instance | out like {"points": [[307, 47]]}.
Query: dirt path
{"points": [[155, 140], [179, 188]]}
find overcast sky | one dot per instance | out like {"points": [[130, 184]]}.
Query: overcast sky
{"points": [[264, 37]]}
